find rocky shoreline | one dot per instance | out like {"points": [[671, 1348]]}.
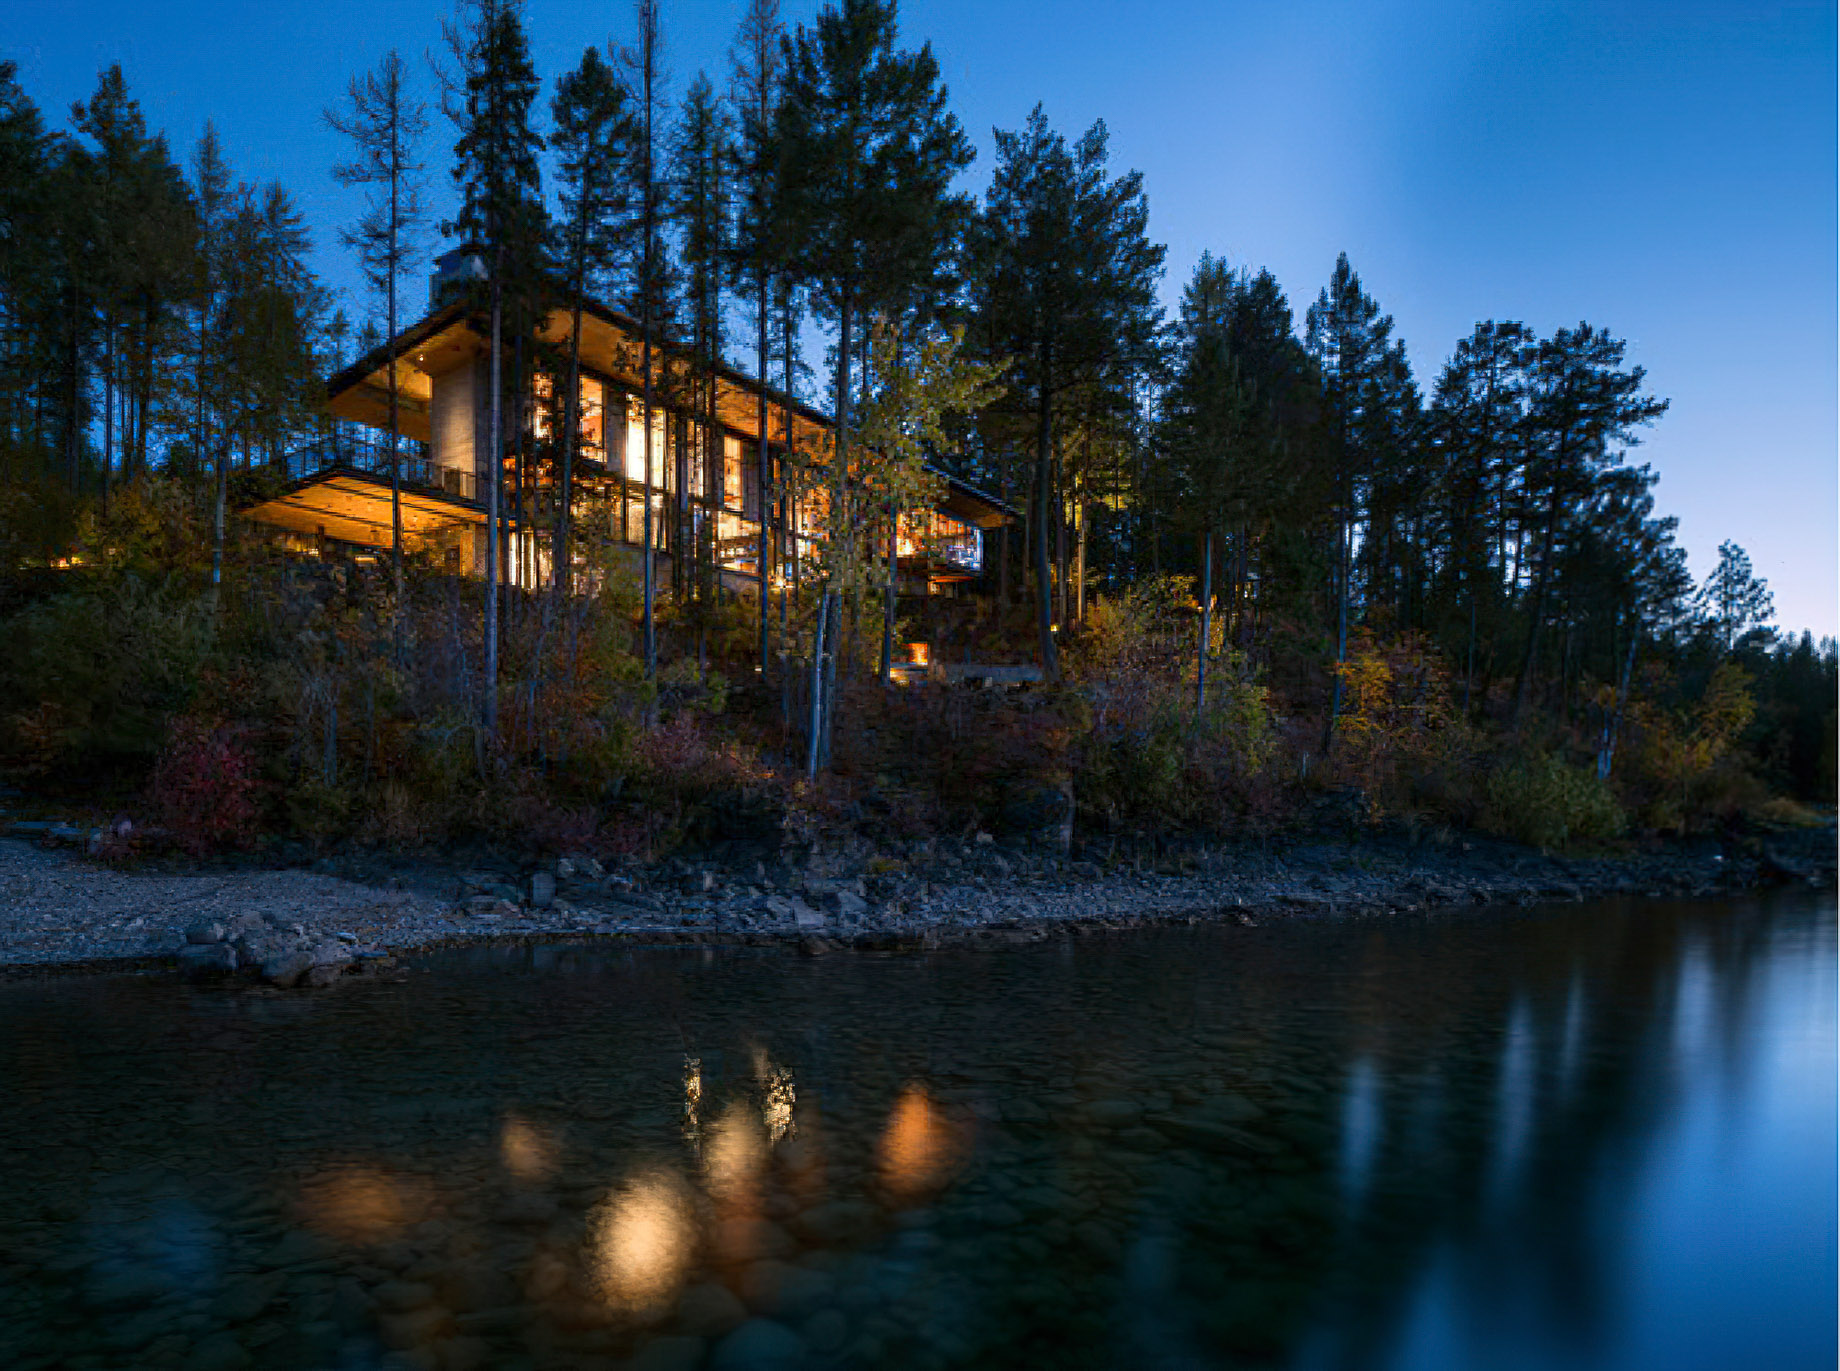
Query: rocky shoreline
{"points": [[298, 928]]}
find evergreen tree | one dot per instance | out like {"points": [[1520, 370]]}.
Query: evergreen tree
{"points": [[867, 153], [654, 285], [593, 133], [497, 172], [25, 158], [1737, 604], [697, 207], [1065, 277], [759, 252], [1369, 400], [1208, 427], [1583, 410], [1478, 413], [384, 123]]}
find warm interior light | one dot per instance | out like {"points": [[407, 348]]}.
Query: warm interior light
{"points": [[919, 654]]}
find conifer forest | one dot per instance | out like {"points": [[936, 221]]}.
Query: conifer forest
{"points": [[1259, 576]]}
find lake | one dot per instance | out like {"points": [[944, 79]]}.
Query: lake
{"points": [[1593, 1136]]}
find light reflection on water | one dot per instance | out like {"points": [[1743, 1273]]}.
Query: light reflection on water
{"points": [[1599, 1137]]}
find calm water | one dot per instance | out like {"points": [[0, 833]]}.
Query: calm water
{"points": [[1597, 1137]]}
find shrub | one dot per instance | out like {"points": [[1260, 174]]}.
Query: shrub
{"points": [[205, 788], [94, 675], [1547, 803]]}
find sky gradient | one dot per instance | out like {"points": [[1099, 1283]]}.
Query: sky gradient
{"points": [[1666, 171]]}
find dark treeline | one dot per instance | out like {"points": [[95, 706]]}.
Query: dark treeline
{"points": [[1272, 511]]}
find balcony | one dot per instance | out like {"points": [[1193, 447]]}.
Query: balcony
{"points": [[372, 458]]}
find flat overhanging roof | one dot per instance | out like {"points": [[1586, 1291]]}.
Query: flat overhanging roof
{"points": [[354, 507], [611, 348]]}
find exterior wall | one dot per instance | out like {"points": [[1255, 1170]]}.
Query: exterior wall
{"points": [[452, 423]]}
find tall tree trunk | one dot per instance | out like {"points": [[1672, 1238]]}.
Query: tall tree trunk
{"points": [[1344, 557], [1207, 621], [1044, 449], [571, 427], [108, 411], [396, 538], [650, 573], [762, 557], [1542, 582], [1606, 751], [840, 488], [815, 715], [888, 597], [494, 475]]}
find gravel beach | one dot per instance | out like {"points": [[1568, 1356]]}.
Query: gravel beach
{"points": [[58, 908]]}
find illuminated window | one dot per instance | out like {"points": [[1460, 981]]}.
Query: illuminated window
{"points": [[593, 412], [635, 443], [734, 466]]}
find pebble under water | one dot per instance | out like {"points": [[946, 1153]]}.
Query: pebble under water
{"points": [[1601, 1136]]}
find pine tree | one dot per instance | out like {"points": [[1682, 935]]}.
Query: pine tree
{"points": [[1208, 428], [697, 207], [211, 191], [497, 172], [384, 123], [593, 135], [1583, 410], [754, 93], [1065, 277], [653, 287], [867, 153], [1478, 413], [1737, 605], [1366, 382]]}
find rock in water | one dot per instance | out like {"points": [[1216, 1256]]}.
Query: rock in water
{"points": [[287, 968], [209, 931]]}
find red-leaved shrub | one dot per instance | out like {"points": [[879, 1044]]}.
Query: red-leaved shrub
{"points": [[205, 787]]}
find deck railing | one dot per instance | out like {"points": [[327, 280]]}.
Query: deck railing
{"points": [[373, 458]]}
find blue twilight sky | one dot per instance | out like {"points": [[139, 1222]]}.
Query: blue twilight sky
{"points": [[1665, 170]]}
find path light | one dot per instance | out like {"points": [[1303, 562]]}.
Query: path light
{"points": [[919, 1146], [527, 1150], [640, 1242]]}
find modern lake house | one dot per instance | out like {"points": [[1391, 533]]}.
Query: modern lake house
{"points": [[704, 480]]}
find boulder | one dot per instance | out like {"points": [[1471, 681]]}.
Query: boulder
{"points": [[542, 890], [206, 931], [844, 905], [287, 967]]}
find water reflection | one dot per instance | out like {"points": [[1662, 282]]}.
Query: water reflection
{"points": [[640, 1241], [362, 1204], [1599, 1137], [735, 1156], [919, 1147], [528, 1150]]}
